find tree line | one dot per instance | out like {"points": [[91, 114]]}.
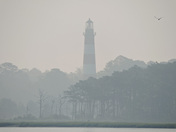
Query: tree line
{"points": [[136, 94]]}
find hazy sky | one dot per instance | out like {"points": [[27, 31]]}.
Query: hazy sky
{"points": [[48, 34]]}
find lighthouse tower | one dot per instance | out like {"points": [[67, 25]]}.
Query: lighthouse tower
{"points": [[89, 64]]}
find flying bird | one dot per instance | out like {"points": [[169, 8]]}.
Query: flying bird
{"points": [[158, 18]]}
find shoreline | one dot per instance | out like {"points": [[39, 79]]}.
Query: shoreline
{"points": [[86, 124]]}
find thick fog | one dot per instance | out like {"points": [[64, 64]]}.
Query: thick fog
{"points": [[46, 34], [41, 59]]}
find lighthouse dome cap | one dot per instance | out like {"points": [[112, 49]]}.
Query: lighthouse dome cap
{"points": [[89, 21]]}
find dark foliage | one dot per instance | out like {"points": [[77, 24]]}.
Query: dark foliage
{"points": [[134, 95]]}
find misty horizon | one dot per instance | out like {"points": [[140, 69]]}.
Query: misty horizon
{"points": [[80, 68]]}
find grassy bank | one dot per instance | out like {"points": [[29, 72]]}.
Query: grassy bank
{"points": [[87, 124]]}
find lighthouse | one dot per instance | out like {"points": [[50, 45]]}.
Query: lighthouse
{"points": [[89, 62]]}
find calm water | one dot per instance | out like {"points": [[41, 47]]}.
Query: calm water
{"points": [[63, 129]]}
